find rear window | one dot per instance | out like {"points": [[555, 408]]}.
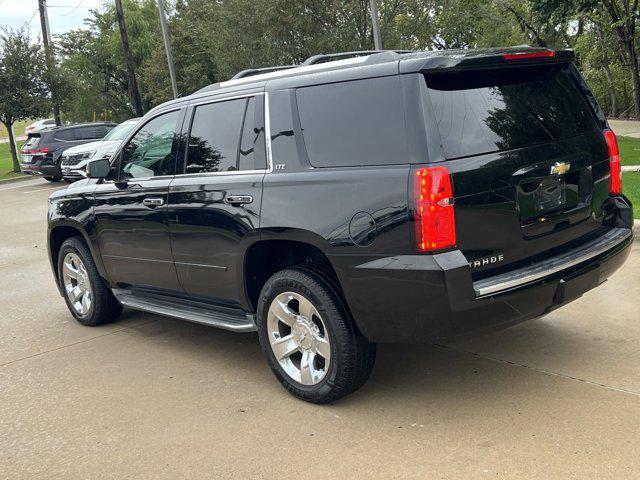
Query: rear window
{"points": [[31, 142], [480, 112], [353, 123]]}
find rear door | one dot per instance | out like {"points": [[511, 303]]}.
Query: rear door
{"points": [[528, 160], [214, 203], [131, 212]]}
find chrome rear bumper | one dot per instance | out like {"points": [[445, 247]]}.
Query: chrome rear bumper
{"points": [[515, 278]]}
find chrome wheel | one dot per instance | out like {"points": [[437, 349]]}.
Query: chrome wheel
{"points": [[76, 283], [298, 338]]}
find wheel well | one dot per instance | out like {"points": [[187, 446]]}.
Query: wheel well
{"points": [[56, 239], [270, 256]]}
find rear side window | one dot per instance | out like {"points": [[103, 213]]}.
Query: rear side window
{"points": [[353, 123], [283, 141], [246, 157], [88, 133], [480, 112], [64, 135], [222, 137]]}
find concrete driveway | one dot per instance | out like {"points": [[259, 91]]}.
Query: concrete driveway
{"points": [[151, 397]]}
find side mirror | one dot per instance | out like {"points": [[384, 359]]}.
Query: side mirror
{"points": [[98, 168]]}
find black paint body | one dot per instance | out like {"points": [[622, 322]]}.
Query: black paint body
{"points": [[359, 220], [57, 140]]}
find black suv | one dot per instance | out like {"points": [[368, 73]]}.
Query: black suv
{"points": [[42, 150], [381, 197]]}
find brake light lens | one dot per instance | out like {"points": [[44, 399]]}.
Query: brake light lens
{"points": [[434, 213], [615, 182], [36, 150], [525, 55]]}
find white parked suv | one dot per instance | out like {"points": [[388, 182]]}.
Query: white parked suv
{"points": [[75, 159]]}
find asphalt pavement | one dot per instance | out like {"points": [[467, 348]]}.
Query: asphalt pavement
{"points": [[151, 397]]}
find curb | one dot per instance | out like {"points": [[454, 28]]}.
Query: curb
{"points": [[631, 168], [16, 179]]}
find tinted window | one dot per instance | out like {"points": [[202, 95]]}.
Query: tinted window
{"points": [[66, 135], [353, 123], [150, 152], [89, 133], [246, 158], [214, 137], [283, 141], [31, 142], [103, 130], [488, 111]]}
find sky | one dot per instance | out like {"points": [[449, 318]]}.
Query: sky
{"points": [[64, 15]]}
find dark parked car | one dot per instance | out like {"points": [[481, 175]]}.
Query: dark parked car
{"points": [[42, 150], [382, 197]]}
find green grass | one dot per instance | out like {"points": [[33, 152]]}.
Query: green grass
{"points": [[18, 129], [6, 163], [629, 150], [631, 188]]}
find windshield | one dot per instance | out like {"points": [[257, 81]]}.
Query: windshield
{"points": [[120, 132]]}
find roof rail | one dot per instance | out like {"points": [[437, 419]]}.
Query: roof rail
{"points": [[321, 58], [257, 71]]}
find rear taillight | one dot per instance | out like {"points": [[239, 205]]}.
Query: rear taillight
{"points": [[433, 208], [615, 182], [525, 55], [36, 150]]}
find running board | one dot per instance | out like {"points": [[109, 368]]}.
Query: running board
{"points": [[236, 322]]}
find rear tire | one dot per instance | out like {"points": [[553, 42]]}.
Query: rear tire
{"points": [[302, 318], [88, 298]]}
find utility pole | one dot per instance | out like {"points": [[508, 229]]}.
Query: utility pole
{"points": [[128, 60], [377, 39], [167, 48], [48, 52]]}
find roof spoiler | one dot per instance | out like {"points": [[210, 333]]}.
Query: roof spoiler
{"points": [[460, 60]]}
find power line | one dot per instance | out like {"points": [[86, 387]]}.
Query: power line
{"points": [[73, 9]]}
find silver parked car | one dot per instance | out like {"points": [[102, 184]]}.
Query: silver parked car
{"points": [[75, 159]]}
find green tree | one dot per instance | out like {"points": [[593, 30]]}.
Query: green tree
{"points": [[92, 58], [23, 90]]}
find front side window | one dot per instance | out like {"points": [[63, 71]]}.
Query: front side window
{"points": [[223, 137], [150, 152]]}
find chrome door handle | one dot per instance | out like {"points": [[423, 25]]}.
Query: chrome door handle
{"points": [[153, 202], [239, 199]]}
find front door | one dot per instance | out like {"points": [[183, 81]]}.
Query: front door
{"points": [[131, 211], [214, 204]]}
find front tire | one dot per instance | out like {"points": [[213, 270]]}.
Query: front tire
{"points": [[88, 298], [311, 343], [53, 179]]}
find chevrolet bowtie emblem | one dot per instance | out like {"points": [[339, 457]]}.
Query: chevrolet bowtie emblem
{"points": [[560, 168]]}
